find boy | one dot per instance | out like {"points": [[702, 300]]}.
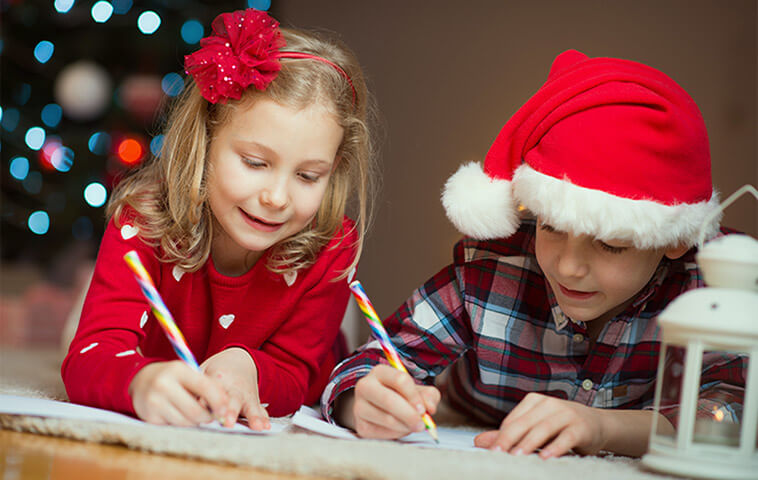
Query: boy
{"points": [[552, 322]]}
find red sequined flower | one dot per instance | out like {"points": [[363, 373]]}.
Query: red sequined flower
{"points": [[243, 50]]}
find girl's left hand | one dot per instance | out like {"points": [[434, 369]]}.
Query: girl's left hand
{"points": [[237, 373], [555, 425]]}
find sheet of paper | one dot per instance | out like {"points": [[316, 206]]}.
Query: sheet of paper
{"points": [[450, 438], [16, 405]]}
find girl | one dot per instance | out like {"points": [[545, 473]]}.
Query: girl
{"points": [[241, 224]]}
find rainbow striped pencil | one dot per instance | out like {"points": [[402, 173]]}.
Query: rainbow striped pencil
{"points": [[159, 309], [384, 340]]}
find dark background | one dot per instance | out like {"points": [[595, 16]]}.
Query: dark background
{"points": [[446, 75]]}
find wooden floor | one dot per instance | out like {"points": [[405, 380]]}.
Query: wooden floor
{"points": [[26, 456]]}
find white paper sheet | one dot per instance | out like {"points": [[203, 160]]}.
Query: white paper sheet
{"points": [[450, 438], [16, 405]]}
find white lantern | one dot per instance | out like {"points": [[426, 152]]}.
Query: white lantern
{"points": [[721, 318]]}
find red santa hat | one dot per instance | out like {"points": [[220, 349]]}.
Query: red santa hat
{"points": [[607, 147]]}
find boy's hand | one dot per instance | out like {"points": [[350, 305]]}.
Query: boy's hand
{"points": [[555, 425], [388, 404], [172, 393], [236, 372]]}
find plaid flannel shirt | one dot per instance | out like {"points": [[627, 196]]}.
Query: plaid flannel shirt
{"points": [[493, 316]]}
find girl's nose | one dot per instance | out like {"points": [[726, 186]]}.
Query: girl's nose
{"points": [[275, 195]]}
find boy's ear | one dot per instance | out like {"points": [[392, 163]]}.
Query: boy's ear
{"points": [[675, 252]]}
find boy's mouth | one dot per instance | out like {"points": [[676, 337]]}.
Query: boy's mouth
{"points": [[576, 294]]}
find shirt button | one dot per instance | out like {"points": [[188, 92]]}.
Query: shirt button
{"points": [[578, 338], [587, 384]]}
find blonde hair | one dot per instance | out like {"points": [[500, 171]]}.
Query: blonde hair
{"points": [[169, 195]]}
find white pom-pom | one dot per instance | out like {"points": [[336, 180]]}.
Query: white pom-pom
{"points": [[478, 205]]}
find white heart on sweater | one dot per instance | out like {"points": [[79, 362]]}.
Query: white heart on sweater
{"points": [[126, 353], [128, 231], [226, 320], [177, 272], [143, 320], [88, 347], [289, 278]]}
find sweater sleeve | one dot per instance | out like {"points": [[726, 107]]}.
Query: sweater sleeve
{"points": [[291, 357], [103, 356]]}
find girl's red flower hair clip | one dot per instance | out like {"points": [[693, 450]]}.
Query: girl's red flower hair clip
{"points": [[242, 51]]}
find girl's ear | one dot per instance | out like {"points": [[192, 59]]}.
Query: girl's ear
{"points": [[675, 252]]}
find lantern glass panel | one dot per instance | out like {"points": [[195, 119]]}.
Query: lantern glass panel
{"points": [[671, 385], [719, 418]]}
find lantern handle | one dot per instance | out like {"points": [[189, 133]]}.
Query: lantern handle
{"points": [[729, 200]]}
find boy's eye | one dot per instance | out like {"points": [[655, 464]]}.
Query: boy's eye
{"points": [[546, 227], [611, 248]]}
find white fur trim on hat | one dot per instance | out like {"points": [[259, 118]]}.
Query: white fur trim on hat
{"points": [[647, 224], [478, 205]]}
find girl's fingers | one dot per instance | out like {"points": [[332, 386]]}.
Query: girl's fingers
{"points": [[203, 387], [257, 416]]}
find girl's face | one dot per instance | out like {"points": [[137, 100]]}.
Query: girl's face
{"points": [[269, 167], [592, 279]]}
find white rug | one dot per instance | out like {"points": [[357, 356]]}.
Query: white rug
{"points": [[34, 374]]}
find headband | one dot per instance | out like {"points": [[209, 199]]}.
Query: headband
{"points": [[243, 50]]}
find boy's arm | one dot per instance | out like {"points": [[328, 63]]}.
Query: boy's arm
{"points": [[430, 331]]}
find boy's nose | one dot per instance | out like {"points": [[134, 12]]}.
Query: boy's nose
{"points": [[572, 261]]}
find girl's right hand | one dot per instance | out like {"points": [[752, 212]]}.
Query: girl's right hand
{"points": [[172, 393], [388, 404]]}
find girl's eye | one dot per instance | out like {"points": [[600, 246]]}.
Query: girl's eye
{"points": [[254, 162], [309, 177], [611, 248]]}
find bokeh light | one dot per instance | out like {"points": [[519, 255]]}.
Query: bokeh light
{"points": [[95, 194], [259, 4], [19, 168], [148, 22], [172, 84], [156, 144], [63, 6], [39, 222], [43, 51], [35, 138], [192, 31], [46, 152], [51, 114], [62, 159], [99, 143], [130, 151], [121, 7], [22, 93], [10, 119], [101, 11]]}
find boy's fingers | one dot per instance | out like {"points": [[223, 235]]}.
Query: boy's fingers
{"points": [[403, 384], [375, 415], [485, 440], [380, 394], [431, 396]]}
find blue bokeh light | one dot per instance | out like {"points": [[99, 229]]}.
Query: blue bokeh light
{"points": [[95, 194], [101, 11], [156, 144], [121, 7], [99, 143], [10, 119], [35, 138], [62, 159], [172, 84], [43, 51], [51, 114], [19, 168], [192, 31], [148, 22], [259, 4], [63, 6], [39, 222]]}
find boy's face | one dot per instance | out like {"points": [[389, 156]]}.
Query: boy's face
{"points": [[592, 279]]}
